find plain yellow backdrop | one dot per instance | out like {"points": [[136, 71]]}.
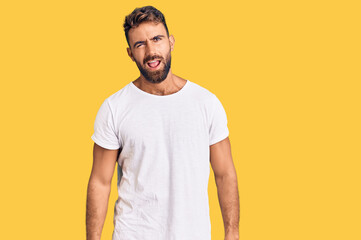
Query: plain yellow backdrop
{"points": [[286, 72]]}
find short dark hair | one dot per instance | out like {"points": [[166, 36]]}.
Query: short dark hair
{"points": [[143, 14]]}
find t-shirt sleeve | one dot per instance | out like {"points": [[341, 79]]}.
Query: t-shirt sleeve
{"points": [[104, 131], [218, 129]]}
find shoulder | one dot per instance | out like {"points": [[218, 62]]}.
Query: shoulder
{"points": [[202, 93], [119, 97]]}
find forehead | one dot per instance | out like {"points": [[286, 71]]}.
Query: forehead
{"points": [[146, 30]]}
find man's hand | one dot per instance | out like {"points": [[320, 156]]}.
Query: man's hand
{"points": [[227, 186], [99, 190], [232, 235]]}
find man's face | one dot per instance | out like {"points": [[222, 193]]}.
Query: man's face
{"points": [[150, 48]]}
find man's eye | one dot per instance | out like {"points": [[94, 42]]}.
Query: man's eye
{"points": [[156, 38]]}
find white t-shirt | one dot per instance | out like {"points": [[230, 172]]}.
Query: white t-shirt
{"points": [[164, 164]]}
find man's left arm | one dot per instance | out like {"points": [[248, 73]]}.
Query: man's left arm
{"points": [[227, 186]]}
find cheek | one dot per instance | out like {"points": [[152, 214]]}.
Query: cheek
{"points": [[138, 58], [166, 49], [138, 55]]}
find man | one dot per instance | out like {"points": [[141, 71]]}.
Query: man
{"points": [[163, 131]]}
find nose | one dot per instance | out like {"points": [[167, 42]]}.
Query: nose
{"points": [[150, 49]]}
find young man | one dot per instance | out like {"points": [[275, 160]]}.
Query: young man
{"points": [[163, 131]]}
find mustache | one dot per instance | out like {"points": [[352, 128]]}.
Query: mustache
{"points": [[152, 58]]}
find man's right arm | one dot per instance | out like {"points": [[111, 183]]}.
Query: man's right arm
{"points": [[99, 190]]}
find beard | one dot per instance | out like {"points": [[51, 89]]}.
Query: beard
{"points": [[159, 75]]}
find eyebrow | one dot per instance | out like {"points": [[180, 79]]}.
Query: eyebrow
{"points": [[143, 41]]}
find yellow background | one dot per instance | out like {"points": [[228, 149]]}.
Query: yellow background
{"points": [[286, 72]]}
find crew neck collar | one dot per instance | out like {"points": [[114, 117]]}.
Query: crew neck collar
{"points": [[179, 92]]}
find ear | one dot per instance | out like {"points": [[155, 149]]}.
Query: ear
{"points": [[171, 41], [130, 54]]}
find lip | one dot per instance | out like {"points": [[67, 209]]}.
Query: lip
{"points": [[160, 61]]}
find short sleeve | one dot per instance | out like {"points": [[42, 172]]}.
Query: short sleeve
{"points": [[104, 131], [218, 129]]}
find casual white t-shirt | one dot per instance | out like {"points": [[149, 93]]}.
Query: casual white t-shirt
{"points": [[164, 163]]}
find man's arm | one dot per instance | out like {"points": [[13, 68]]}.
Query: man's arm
{"points": [[227, 186], [99, 190]]}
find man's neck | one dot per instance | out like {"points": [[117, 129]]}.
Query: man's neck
{"points": [[170, 85]]}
